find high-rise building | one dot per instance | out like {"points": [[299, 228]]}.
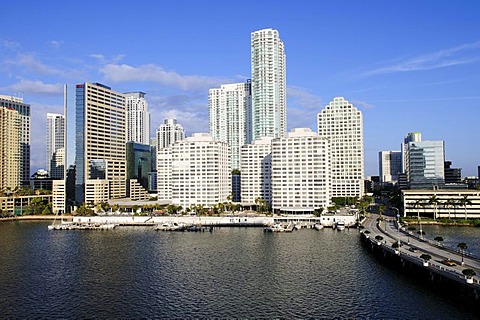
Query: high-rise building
{"points": [[425, 164], [168, 133], [452, 175], [138, 118], [342, 124], [55, 142], [269, 90], [23, 109], [100, 143], [194, 171], [10, 149], [256, 171], [390, 165], [138, 168], [230, 118], [411, 137], [300, 172]]}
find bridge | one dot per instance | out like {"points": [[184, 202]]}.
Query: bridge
{"points": [[412, 246]]}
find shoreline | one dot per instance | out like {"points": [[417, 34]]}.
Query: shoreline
{"points": [[36, 217]]}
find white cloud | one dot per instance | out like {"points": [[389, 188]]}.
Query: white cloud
{"points": [[35, 87], [104, 60], [55, 44], [303, 98], [463, 54], [153, 73], [12, 45], [33, 65], [362, 104]]}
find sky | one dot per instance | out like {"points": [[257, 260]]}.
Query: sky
{"points": [[408, 65]]}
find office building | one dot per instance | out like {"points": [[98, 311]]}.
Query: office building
{"points": [[195, 171], [256, 171], [23, 110], [230, 118], [138, 168], [342, 124], [424, 164], [390, 165], [452, 175], [55, 143], [300, 172], [10, 149], [138, 118], [100, 161], [168, 133], [269, 90]]}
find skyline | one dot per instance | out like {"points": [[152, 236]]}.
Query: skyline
{"points": [[407, 66]]}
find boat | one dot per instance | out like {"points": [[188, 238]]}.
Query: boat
{"points": [[197, 228], [277, 227], [340, 225], [297, 226], [169, 226], [318, 226]]}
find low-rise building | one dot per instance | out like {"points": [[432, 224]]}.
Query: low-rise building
{"points": [[443, 203]]}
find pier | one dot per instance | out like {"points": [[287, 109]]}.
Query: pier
{"points": [[395, 245]]}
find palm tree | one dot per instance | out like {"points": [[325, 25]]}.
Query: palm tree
{"points": [[418, 204], [463, 247], [433, 200], [469, 273], [449, 204], [464, 202]]}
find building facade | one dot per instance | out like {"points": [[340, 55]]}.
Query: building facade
{"points": [[10, 149], [342, 124], [449, 204], [55, 143], [138, 118], [230, 116], [23, 110], [300, 172], [195, 171], [168, 133], [424, 164], [100, 143], [138, 166], [390, 165], [269, 90], [256, 171]]}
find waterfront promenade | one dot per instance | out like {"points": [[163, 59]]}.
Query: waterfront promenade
{"points": [[412, 247]]}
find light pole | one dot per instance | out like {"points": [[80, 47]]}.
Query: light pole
{"points": [[398, 223]]}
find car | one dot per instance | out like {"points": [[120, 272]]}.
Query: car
{"points": [[412, 249], [449, 263]]}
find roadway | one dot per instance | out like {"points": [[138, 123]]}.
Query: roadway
{"points": [[388, 229]]}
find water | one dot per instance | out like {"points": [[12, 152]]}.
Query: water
{"points": [[230, 273], [452, 236]]}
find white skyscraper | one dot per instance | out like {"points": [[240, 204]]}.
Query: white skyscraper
{"points": [[390, 165], [230, 121], [256, 171], [138, 118], [168, 133], [194, 171], [55, 142], [300, 172], [342, 124], [269, 91]]}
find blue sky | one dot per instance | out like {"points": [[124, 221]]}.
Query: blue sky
{"points": [[408, 65]]}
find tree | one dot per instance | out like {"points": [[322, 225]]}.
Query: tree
{"points": [[83, 210], [425, 257], [462, 246], [433, 201], [464, 202], [438, 239], [418, 204], [469, 273], [378, 238], [395, 245], [449, 204]]}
